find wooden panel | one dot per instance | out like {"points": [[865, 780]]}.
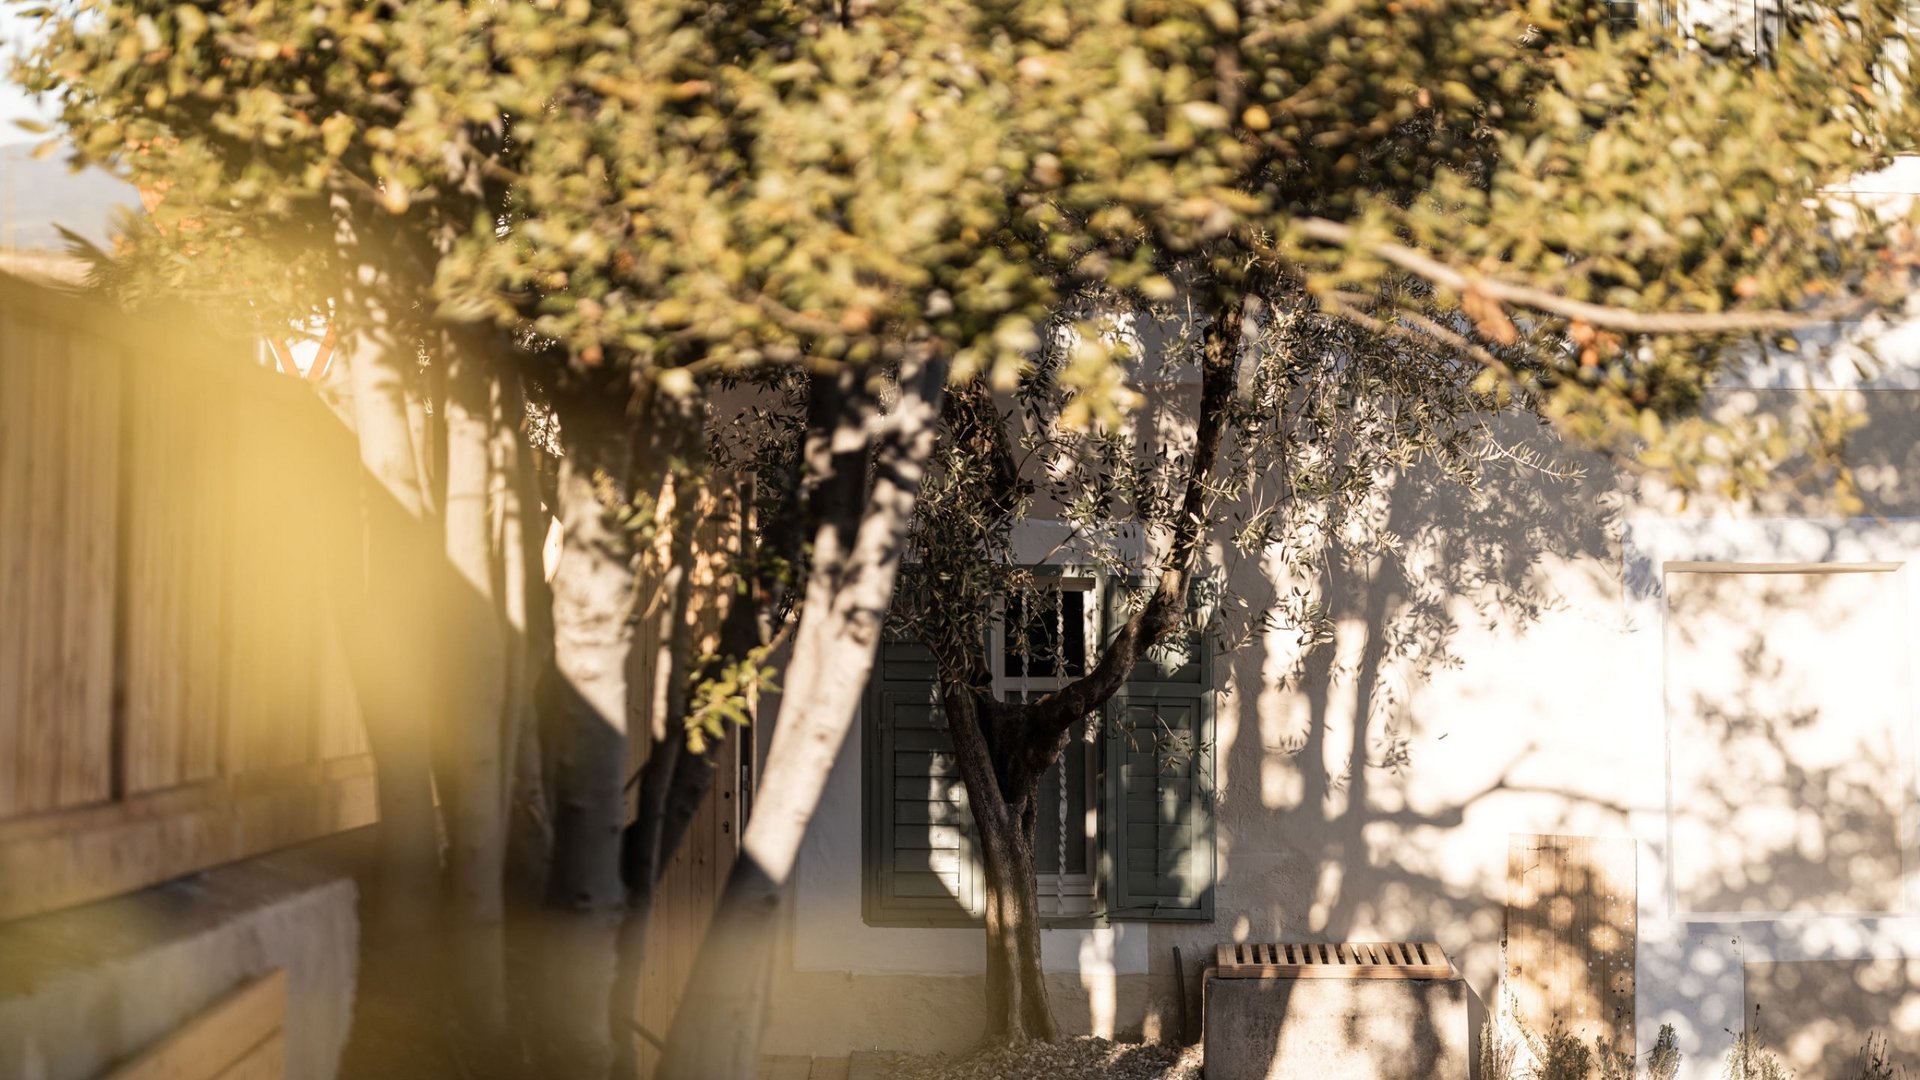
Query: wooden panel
{"points": [[58, 860], [157, 623], [41, 716], [240, 1036], [16, 447], [268, 1061], [90, 539], [1571, 930], [267, 727], [174, 525], [209, 484], [1333, 960], [57, 570]]}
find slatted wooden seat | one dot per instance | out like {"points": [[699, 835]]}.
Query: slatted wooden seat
{"points": [[1333, 960]]}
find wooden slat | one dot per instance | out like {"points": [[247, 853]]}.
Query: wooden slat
{"points": [[221, 1038], [209, 484], [1333, 960], [689, 889], [1571, 933], [89, 567], [267, 1061], [17, 371], [58, 860], [41, 616], [156, 629]]}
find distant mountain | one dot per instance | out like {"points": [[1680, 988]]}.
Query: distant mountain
{"points": [[36, 195]]}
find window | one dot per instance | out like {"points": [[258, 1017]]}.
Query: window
{"points": [[1125, 823], [1039, 645]]}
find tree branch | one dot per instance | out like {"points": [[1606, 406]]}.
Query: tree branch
{"points": [[1053, 716], [1606, 317]]}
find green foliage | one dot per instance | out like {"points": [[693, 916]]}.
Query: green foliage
{"points": [[683, 183], [1663, 1061], [1610, 1063], [1558, 1055], [1497, 1052], [1875, 1061], [723, 698], [1749, 1059], [660, 183]]}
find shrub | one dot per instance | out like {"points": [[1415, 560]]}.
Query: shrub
{"points": [[1875, 1062], [1663, 1061]]}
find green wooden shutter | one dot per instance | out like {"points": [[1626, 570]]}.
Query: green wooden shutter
{"points": [[1158, 860], [920, 848]]}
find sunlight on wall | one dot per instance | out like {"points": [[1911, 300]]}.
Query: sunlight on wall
{"points": [[1096, 977], [1281, 711], [1787, 707]]}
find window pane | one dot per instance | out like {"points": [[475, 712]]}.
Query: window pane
{"points": [[1051, 625]]}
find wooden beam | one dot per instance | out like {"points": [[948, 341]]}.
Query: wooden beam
{"points": [[58, 860], [240, 1032]]}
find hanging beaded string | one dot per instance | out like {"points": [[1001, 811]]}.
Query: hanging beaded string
{"points": [[1060, 673], [1023, 642]]}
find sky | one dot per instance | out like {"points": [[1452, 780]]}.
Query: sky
{"points": [[38, 197], [14, 105]]}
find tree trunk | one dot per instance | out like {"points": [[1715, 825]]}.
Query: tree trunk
{"points": [[593, 601], [856, 555], [388, 644], [1017, 1005], [1018, 1009], [472, 669], [526, 612], [474, 655]]}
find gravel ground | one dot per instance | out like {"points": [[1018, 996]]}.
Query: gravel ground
{"points": [[1074, 1059]]}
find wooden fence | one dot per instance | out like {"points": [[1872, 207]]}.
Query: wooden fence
{"points": [[178, 527], [689, 888], [1572, 927], [176, 524]]}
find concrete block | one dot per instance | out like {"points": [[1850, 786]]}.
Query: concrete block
{"points": [[86, 988], [1335, 1029]]}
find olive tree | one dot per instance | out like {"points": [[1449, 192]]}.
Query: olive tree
{"points": [[1389, 222]]}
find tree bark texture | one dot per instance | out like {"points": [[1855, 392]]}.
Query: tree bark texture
{"points": [[474, 654], [519, 526], [593, 601]]}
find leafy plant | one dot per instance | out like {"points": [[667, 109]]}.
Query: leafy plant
{"points": [[1875, 1061], [1749, 1058], [1497, 1052], [1613, 1064], [1559, 1055], [1663, 1061]]}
